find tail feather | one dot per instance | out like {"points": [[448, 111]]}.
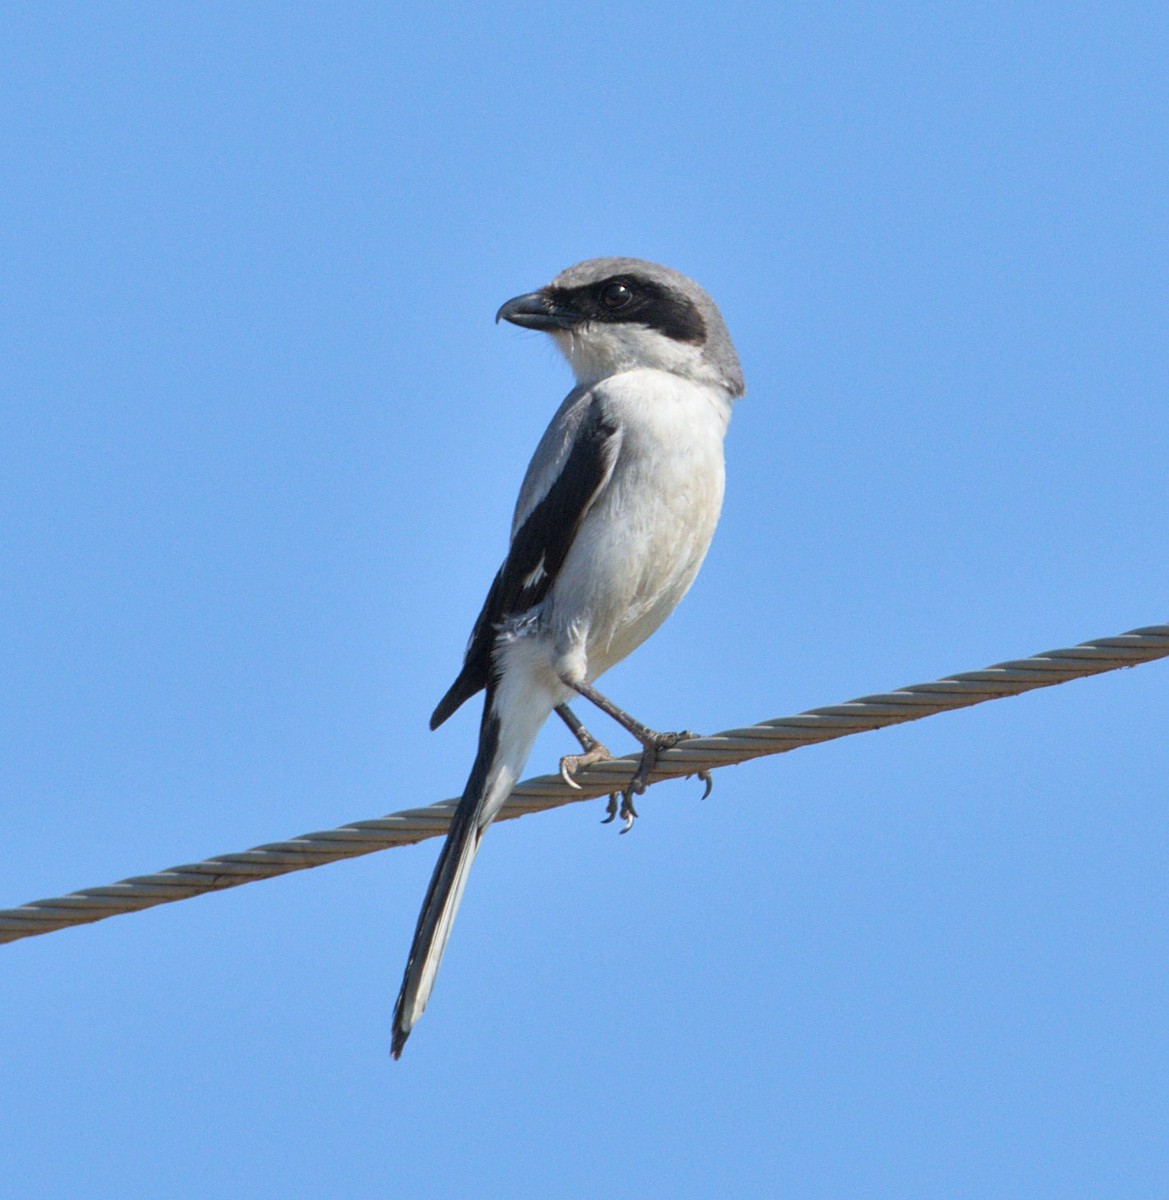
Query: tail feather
{"points": [[446, 886], [514, 710], [435, 920]]}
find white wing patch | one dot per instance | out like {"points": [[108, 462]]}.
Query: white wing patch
{"points": [[534, 576]]}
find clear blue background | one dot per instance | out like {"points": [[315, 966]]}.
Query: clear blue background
{"points": [[260, 446]]}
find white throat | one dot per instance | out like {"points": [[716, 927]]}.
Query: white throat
{"points": [[597, 351]]}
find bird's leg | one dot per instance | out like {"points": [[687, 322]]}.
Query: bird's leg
{"points": [[576, 725], [652, 744], [594, 751]]}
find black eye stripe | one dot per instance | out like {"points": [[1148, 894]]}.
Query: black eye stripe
{"points": [[649, 303]]}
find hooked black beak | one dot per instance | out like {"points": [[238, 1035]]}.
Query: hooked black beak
{"points": [[537, 310]]}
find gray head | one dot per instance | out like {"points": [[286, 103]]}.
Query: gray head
{"points": [[615, 314]]}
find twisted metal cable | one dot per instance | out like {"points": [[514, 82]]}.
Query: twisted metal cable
{"points": [[549, 791]]}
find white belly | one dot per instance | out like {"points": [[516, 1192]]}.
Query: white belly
{"points": [[642, 544]]}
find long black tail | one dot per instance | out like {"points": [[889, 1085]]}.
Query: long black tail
{"points": [[448, 881]]}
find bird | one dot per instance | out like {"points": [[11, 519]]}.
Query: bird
{"points": [[614, 517]]}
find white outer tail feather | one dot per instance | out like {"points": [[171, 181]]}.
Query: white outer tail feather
{"points": [[506, 736]]}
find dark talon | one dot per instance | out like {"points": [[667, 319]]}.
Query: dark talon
{"points": [[652, 745]]}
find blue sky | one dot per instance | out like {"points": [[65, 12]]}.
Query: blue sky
{"points": [[260, 445]]}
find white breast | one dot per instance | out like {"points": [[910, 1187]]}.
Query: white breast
{"points": [[640, 547]]}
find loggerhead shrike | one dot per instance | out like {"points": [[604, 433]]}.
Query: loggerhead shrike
{"points": [[613, 520]]}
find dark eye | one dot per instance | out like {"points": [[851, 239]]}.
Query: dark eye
{"points": [[616, 295]]}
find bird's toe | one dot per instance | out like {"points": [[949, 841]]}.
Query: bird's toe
{"points": [[571, 763]]}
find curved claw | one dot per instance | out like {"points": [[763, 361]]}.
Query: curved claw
{"points": [[652, 746], [571, 763]]}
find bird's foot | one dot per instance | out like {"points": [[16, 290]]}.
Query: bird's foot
{"points": [[626, 812], [651, 749], [571, 763], [705, 777], [652, 746]]}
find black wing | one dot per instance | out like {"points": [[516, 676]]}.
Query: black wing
{"points": [[537, 552]]}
